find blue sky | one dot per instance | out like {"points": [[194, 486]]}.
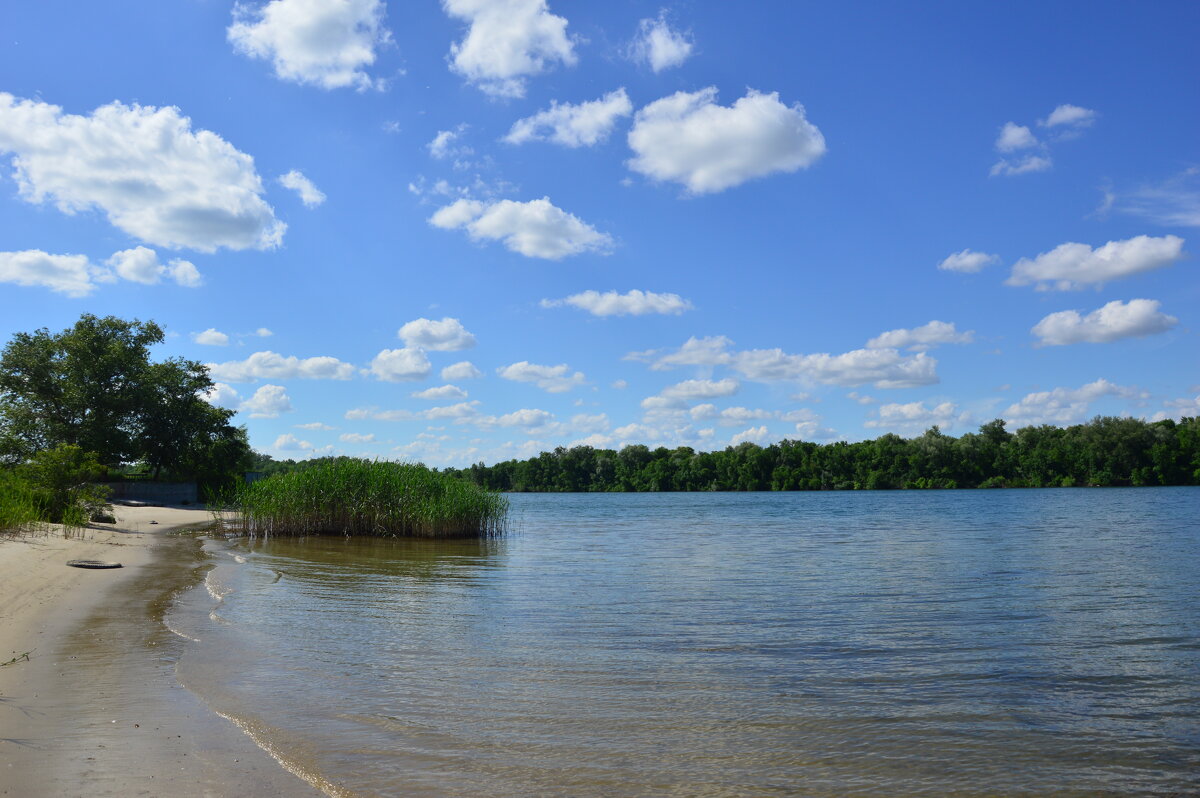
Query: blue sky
{"points": [[479, 229]]}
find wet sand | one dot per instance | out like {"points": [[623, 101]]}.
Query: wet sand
{"points": [[96, 710]]}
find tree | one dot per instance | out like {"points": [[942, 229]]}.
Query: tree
{"points": [[95, 386]]}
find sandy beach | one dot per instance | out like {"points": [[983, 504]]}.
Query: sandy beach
{"points": [[95, 709]]}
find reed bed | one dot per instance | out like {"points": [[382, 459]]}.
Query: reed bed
{"points": [[20, 509], [353, 497]]}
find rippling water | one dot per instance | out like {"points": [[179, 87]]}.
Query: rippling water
{"points": [[890, 643]]}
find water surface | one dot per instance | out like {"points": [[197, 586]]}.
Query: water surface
{"points": [[903, 643]]}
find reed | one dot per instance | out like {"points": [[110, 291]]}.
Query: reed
{"points": [[20, 508], [353, 497]]}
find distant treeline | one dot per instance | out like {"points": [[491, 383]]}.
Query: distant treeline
{"points": [[1103, 452]]}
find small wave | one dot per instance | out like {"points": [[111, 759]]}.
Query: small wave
{"points": [[260, 739], [217, 591], [175, 631]]}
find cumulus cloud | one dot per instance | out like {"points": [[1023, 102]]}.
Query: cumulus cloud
{"points": [[141, 265], [1074, 266], [288, 442], [758, 435], [211, 337], [447, 335], [1021, 166], [269, 401], [679, 394], [273, 366], [315, 425], [1015, 137], [1136, 318], [308, 192], [689, 139], [315, 42], [443, 145], [1069, 115], [737, 416], [73, 275], [967, 261], [1179, 408], [507, 42], [914, 417], [1063, 406], [356, 437], [401, 365], [441, 393], [581, 125], [658, 46], [145, 168], [920, 339], [552, 379], [263, 332], [632, 303], [463, 370], [535, 229], [885, 368]]}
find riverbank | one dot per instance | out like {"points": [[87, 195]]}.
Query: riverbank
{"points": [[95, 708]]}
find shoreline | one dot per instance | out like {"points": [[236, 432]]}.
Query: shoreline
{"points": [[96, 709]]}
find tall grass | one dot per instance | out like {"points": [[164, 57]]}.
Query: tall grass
{"points": [[348, 496], [20, 507]]}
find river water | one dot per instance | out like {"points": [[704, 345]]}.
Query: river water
{"points": [[970, 643]]}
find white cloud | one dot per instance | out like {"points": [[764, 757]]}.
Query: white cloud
{"points": [[268, 402], [272, 366], [581, 125], [1071, 115], [356, 437], [967, 261], [736, 416], [288, 442], [1021, 166], [442, 146], [552, 379], [885, 368], [1073, 266], [401, 365], [263, 332], [690, 139], [679, 394], [658, 46], [184, 273], [308, 192], [632, 303], [919, 339], [508, 41], [1063, 406], [757, 435], [1015, 137], [72, 275], [1179, 408], [463, 370], [315, 425], [1116, 320], [1172, 202], [441, 393], [141, 265], [211, 337], [536, 229], [145, 168], [315, 42], [914, 417], [531, 421], [447, 335]]}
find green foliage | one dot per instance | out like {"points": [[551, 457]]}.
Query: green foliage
{"points": [[20, 510], [1103, 452], [60, 480], [95, 386], [348, 496]]}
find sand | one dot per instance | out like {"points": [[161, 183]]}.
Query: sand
{"points": [[95, 710]]}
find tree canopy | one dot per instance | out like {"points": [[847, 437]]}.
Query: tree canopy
{"points": [[1105, 451], [95, 386]]}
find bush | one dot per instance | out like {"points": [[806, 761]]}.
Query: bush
{"points": [[59, 479]]}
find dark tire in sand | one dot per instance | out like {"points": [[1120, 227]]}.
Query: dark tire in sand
{"points": [[92, 564]]}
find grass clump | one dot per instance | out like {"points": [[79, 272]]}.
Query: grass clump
{"points": [[20, 510], [354, 497]]}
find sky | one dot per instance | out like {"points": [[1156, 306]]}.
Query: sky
{"points": [[474, 230]]}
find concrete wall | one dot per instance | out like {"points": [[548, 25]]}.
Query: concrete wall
{"points": [[154, 492]]}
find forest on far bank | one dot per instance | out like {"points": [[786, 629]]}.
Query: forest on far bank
{"points": [[1106, 451]]}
